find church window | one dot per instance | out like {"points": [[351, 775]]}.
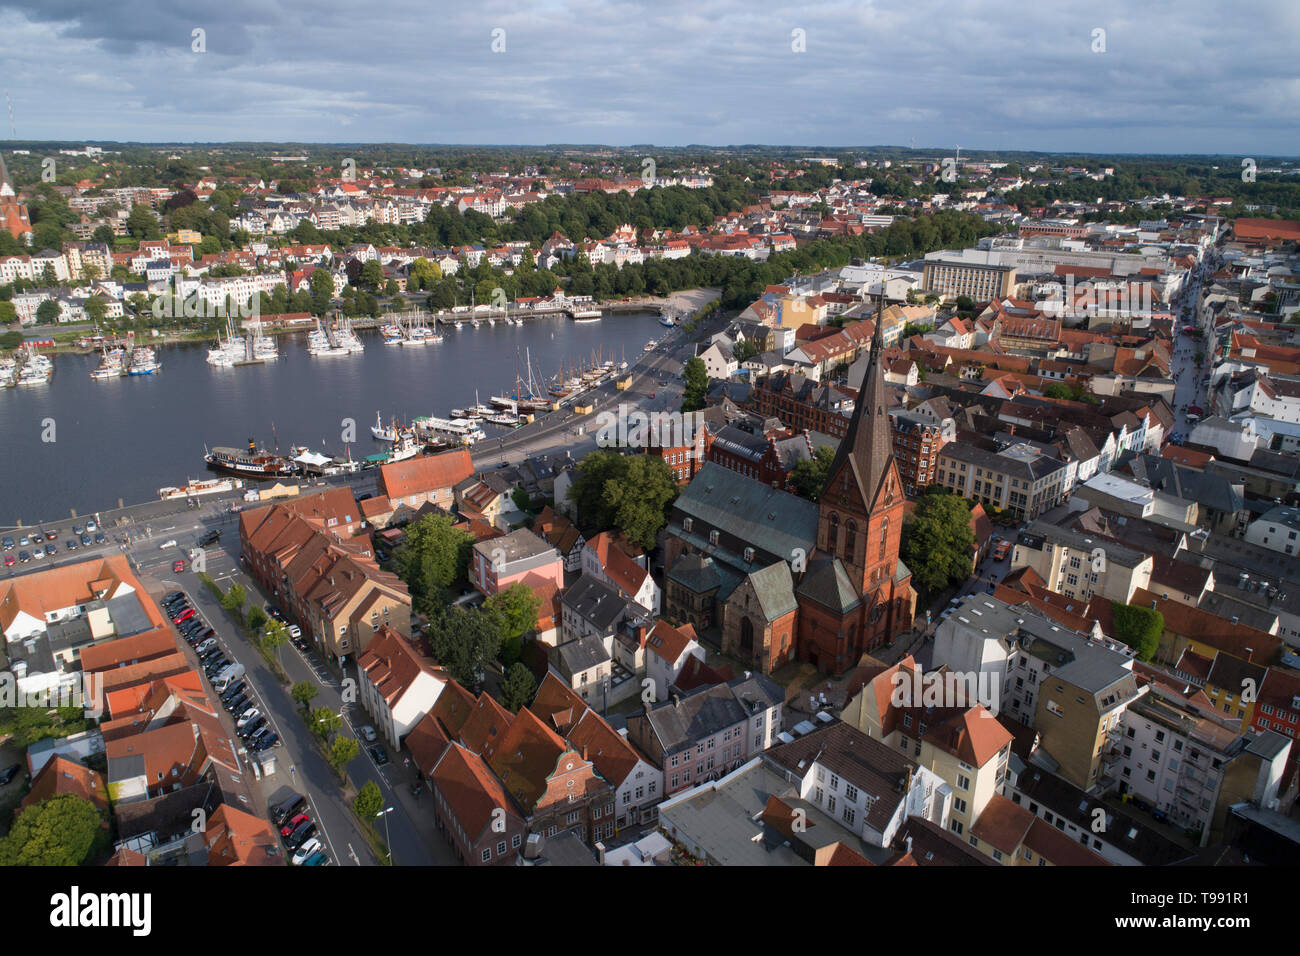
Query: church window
{"points": [[850, 540], [834, 535]]}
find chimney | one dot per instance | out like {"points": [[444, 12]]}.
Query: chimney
{"points": [[909, 843], [600, 852]]}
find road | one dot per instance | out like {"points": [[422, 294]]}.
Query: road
{"points": [[412, 835]]}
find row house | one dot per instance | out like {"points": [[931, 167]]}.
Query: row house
{"points": [[398, 684], [802, 404], [302, 552], [708, 733]]}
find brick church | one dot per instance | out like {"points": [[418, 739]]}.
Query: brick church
{"points": [[786, 579], [13, 214]]}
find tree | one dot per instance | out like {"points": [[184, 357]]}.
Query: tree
{"points": [[938, 542], [1138, 627], [257, 618], [61, 831], [433, 556], [8, 313], [464, 643], [808, 477], [47, 313], [371, 275], [515, 609], [275, 637], [342, 752], [696, 376], [325, 723], [368, 801], [321, 284], [518, 687], [233, 602], [629, 492], [142, 223], [303, 693]]}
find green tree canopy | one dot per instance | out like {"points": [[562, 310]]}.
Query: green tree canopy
{"points": [[696, 390], [1138, 627], [938, 541], [368, 801], [433, 556], [61, 831], [809, 477], [515, 608], [631, 493], [518, 687], [303, 693], [464, 643]]}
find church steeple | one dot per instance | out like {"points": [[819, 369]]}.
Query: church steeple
{"points": [[866, 449]]}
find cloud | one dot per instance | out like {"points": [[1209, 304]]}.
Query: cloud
{"points": [[1175, 77]]}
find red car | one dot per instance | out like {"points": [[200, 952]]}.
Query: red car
{"points": [[9, 560], [293, 824], [183, 617], [178, 565]]}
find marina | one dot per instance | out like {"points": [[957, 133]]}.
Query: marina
{"points": [[166, 418]]}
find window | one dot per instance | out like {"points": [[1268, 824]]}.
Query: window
{"points": [[850, 792], [501, 847], [963, 782], [848, 816], [713, 537], [515, 841], [487, 854]]}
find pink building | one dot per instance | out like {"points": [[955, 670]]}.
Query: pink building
{"points": [[500, 562]]}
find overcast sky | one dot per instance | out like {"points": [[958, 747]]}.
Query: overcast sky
{"points": [[1198, 76]]}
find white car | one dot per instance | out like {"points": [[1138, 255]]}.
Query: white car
{"points": [[305, 851], [167, 544], [91, 527], [247, 717], [368, 734], [295, 630]]}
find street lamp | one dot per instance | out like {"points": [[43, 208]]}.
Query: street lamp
{"points": [[387, 839]]}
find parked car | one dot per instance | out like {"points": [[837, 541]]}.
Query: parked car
{"points": [[266, 742], [91, 526], [38, 552], [232, 692], [319, 858], [307, 849], [71, 545], [99, 538], [51, 535], [234, 705], [293, 804], [23, 557], [295, 631], [78, 530], [294, 823], [38, 538], [183, 616], [301, 835], [368, 734], [210, 642], [8, 774], [246, 717], [8, 543], [85, 541], [381, 757], [51, 547], [252, 727], [10, 560], [211, 537]]}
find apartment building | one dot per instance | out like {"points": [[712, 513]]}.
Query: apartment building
{"points": [[1018, 479], [1073, 689], [1080, 565], [398, 684], [1193, 764], [429, 479], [499, 562], [331, 584], [981, 282], [917, 440], [710, 731]]}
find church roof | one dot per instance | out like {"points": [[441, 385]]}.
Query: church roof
{"points": [[774, 588], [866, 448], [828, 584]]}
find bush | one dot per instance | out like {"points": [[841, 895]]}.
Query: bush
{"points": [[1138, 627]]}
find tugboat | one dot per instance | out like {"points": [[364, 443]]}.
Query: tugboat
{"points": [[254, 462]]}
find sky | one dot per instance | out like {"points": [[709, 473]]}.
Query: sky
{"points": [[1147, 76]]}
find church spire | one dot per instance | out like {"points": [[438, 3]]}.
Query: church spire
{"points": [[866, 448]]}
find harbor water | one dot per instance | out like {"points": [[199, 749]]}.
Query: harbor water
{"points": [[81, 443]]}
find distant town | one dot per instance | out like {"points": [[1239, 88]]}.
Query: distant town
{"points": [[950, 519]]}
